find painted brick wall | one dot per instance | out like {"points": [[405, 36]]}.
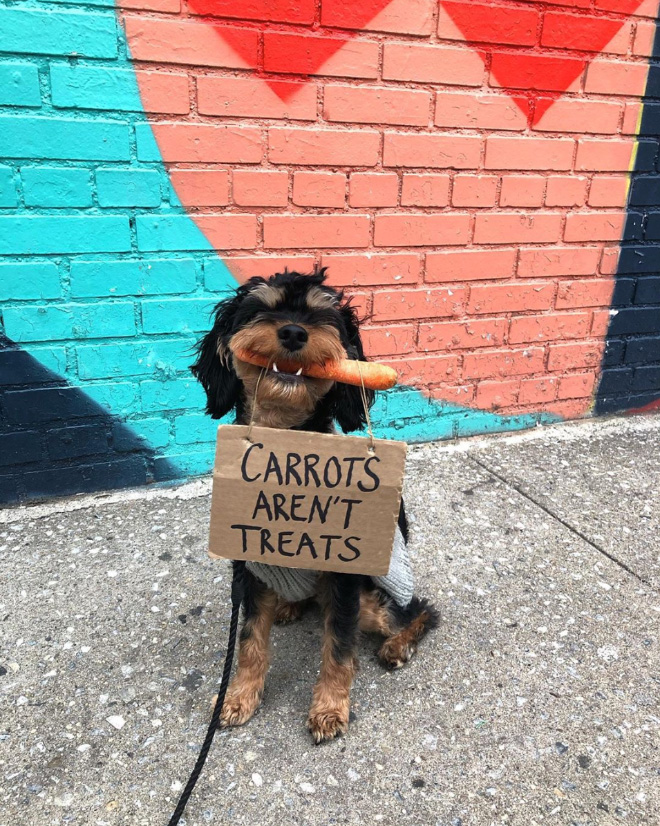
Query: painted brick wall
{"points": [[461, 167]]}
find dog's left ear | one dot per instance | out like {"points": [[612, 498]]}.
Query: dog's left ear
{"points": [[213, 367], [346, 400]]}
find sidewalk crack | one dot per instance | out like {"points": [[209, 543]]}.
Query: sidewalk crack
{"points": [[519, 489]]}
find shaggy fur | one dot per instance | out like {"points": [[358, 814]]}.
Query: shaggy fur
{"points": [[300, 319]]}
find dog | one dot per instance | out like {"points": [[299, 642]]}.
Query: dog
{"points": [[298, 318]]}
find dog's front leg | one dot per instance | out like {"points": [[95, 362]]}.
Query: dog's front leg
{"points": [[244, 693], [328, 716]]}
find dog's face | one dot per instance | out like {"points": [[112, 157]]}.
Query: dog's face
{"points": [[293, 319]]}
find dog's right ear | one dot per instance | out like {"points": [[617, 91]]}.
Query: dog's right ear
{"points": [[213, 367]]}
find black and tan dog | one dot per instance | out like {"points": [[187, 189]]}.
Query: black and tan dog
{"points": [[298, 318]]}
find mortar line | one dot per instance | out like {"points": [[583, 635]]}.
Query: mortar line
{"points": [[519, 489]]}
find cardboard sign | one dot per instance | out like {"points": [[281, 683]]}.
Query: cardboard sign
{"points": [[305, 500]]}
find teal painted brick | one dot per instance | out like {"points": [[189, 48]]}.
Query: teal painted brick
{"points": [[103, 320], [217, 276], [120, 398], [8, 196], [19, 84], [49, 138], [52, 358], [147, 148], [153, 433], [57, 32], [54, 322], [41, 234], [178, 394], [379, 409], [473, 422], [48, 323], [144, 276], [40, 279], [101, 3], [52, 186], [160, 358], [94, 87], [406, 404], [174, 315], [128, 187], [195, 429], [169, 232], [420, 431]]}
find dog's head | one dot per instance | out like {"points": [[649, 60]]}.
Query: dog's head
{"points": [[296, 319]]}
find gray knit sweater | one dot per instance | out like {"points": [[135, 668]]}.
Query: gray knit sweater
{"points": [[295, 584]]}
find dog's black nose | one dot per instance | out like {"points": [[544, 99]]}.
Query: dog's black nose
{"points": [[292, 336]]}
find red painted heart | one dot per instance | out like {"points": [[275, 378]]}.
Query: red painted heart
{"points": [[541, 72], [305, 58]]}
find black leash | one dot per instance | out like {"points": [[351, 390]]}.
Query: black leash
{"points": [[237, 592]]}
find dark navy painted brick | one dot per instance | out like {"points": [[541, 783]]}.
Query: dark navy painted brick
{"points": [[646, 378], [647, 154], [632, 320], [70, 442], [8, 489], [650, 124], [653, 83], [48, 405], [648, 291], [624, 289], [18, 368], [653, 227], [19, 448], [639, 259], [643, 350], [614, 352], [627, 402], [119, 473], [645, 191], [618, 380], [634, 230]]}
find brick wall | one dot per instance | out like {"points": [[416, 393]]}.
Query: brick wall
{"points": [[461, 167]]}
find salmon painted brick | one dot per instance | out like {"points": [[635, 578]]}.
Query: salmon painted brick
{"points": [[479, 176]]}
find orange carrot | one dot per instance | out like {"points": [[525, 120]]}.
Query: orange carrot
{"points": [[375, 376]]}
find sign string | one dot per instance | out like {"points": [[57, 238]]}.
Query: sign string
{"points": [[365, 404], [263, 372]]}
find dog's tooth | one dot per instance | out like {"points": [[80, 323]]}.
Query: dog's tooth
{"points": [[275, 368], [299, 372]]}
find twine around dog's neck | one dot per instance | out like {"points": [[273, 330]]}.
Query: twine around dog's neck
{"points": [[363, 396]]}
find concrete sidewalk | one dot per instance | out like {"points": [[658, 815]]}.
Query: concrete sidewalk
{"points": [[535, 702]]}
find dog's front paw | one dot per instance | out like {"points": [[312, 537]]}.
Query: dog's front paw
{"points": [[327, 724], [396, 651], [238, 707]]}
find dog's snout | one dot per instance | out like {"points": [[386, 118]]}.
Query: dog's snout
{"points": [[292, 336]]}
